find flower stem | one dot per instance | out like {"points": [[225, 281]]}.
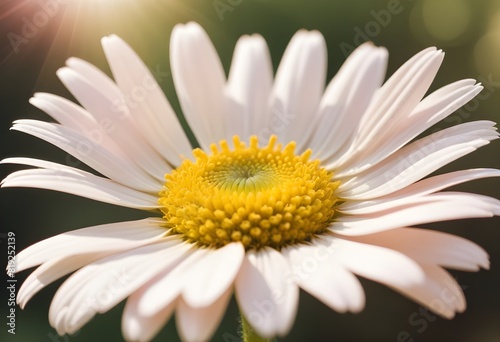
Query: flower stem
{"points": [[249, 334]]}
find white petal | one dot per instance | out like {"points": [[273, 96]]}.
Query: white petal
{"points": [[421, 188], [437, 207], [395, 100], [212, 275], [316, 270], [66, 179], [266, 297], [346, 99], [439, 292], [113, 119], [96, 239], [102, 101], [298, 87], [199, 324], [199, 82], [58, 324], [75, 117], [52, 270], [431, 247], [249, 87], [150, 111], [90, 152], [401, 93], [418, 159], [173, 278], [376, 263], [137, 327], [67, 113], [101, 285], [99, 80], [430, 110]]}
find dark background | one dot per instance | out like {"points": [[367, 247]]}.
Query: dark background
{"points": [[467, 30]]}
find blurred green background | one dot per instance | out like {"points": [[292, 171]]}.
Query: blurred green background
{"points": [[467, 30]]}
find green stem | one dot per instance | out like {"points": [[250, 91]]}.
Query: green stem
{"points": [[249, 334]]}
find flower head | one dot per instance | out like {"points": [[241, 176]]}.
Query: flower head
{"points": [[293, 186]]}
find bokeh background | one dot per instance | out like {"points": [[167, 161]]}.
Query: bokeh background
{"points": [[37, 37]]}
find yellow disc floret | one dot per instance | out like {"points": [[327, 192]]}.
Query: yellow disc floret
{"points": [[258, 196]]}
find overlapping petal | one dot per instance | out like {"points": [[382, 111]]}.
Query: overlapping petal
{"points": [[431, 247], [417, 160], [266, 297], [317, 270], [437, 207], [199, 324], [89, 151], [345, 101], [101, 285], [57, 177], [101, 238], [142, 98]]}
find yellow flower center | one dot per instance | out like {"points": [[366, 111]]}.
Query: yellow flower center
{"points": [[259, 196]]}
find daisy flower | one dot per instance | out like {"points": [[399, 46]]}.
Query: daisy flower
{"points": [[293, 185]]}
